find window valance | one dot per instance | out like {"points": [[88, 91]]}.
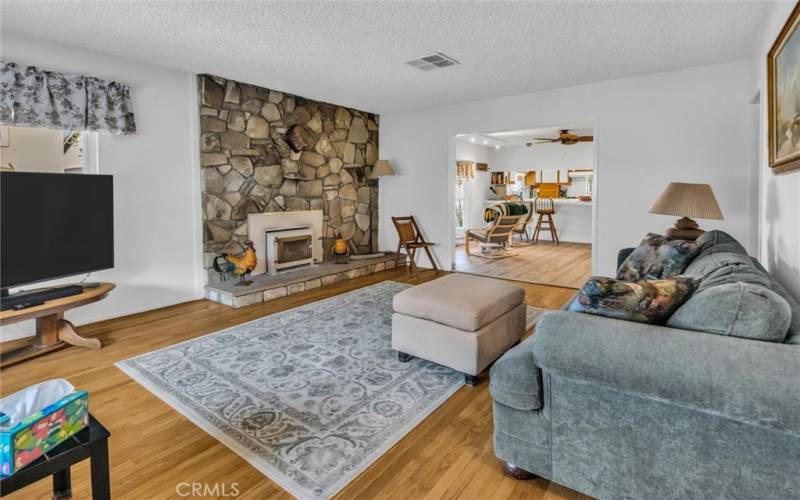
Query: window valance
{"points": [[30, 97], [465, 170]]}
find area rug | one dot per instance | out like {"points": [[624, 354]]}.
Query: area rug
{"points": [[310, 396]]}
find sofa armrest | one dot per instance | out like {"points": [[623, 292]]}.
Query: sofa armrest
{"points": [[516, 381], [745, 380], [622, 255]]}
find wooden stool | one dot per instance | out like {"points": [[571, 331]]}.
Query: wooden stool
{"points": [[545, 208]]}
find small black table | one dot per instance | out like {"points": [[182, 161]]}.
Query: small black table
{"points": [[91, 442]]}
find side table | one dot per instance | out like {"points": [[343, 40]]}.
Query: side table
{"points": [[91, 442]]}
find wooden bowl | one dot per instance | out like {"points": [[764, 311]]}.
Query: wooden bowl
{"points": [[585, 198]]}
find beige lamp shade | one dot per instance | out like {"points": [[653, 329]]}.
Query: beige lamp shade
{"points": [[381, 168], [688, 200]]}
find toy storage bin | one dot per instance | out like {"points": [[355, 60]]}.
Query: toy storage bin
{"points": [[37, 419]]}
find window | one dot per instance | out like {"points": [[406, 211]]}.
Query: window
{"points": [[27, 149], [461, 202]]}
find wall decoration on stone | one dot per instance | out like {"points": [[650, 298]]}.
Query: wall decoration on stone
{"points": [[267, 151], [299, 138]]}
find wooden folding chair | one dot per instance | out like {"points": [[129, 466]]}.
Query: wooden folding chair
{"points": [[410, 239]]}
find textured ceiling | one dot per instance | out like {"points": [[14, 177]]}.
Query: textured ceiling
{"points": [[352, 53]]}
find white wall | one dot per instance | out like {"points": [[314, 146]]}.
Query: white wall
{"points": [[687, 125], [478, 187], [39, 150], [779, 194], [156, 180]]}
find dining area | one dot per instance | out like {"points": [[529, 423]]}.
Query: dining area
{"points": [[529, 246], [514, 221], [534, 219]]}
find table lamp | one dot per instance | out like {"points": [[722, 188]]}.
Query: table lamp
{"points": [[687, 200], [381, 168]]}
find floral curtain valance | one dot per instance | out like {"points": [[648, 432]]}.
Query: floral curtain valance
{"points": [[465, 170], [33, 98]]}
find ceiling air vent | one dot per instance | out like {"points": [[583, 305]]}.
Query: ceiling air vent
{"points": [[437, 60]]}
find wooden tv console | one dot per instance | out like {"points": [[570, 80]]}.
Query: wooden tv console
{"points": [[53, 332]]}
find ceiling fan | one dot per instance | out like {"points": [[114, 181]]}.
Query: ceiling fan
{"points": [[564, 137]]}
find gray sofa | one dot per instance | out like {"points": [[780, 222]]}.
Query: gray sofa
{"points": [[617, 409]]}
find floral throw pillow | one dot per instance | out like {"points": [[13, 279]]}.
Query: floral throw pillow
{"points": [[658, 257], [644, 301]]}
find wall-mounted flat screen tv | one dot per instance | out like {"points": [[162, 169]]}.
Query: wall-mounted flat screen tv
{"points": [[54, 225]]}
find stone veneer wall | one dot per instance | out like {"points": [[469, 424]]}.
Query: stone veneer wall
{"points": [[249, 167]]}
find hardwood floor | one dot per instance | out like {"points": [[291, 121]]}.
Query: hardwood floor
{"points": [[567, 264], [153, 448]]}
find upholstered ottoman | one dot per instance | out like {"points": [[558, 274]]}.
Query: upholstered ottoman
{"points": [[460, 321]]}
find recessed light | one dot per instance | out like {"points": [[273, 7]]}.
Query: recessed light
{"points": [[497, 147], [485, 141], [471, 139]]}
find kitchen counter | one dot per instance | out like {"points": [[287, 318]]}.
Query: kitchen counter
{"points": [[573, 221], [556, 201]]}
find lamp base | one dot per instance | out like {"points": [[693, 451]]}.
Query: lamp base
{"points": [[685, 229]]}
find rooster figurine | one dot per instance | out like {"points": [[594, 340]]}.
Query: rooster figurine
{"points": [[240, 265], [339, 249]]}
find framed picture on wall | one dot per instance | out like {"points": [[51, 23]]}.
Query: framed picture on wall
{"points": [[783, 96]]}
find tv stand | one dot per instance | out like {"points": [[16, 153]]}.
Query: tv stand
{"points": [[29, 298], [53, 332]]}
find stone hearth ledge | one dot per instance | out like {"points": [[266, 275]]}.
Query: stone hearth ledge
{"points": [[266, 287]]}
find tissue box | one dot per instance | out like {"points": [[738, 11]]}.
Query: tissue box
{"points": [[42, 431]]}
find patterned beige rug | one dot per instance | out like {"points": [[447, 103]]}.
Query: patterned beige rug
{"points": [[310, 396]]}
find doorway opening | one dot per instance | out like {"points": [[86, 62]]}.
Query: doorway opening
{"points": [[524, 204]]}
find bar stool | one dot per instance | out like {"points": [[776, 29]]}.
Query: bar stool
{"points": [[545, 208]]}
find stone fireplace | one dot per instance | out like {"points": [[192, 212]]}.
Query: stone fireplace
{"points": [[268, 152]]}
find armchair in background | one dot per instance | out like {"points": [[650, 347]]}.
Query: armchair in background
{"points": [[498, 233]]}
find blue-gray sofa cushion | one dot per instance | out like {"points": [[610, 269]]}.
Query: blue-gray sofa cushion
{"points": [[704, 265], [723, 260], [718, 241], [736, 273], [737, 309]]}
